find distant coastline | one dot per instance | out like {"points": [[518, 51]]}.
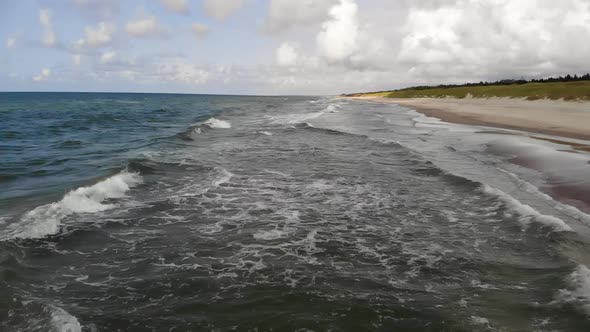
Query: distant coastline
{"points": [[570, 88], [557, 106], [550, 117]]}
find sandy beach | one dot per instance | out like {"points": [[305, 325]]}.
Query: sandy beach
{"points": [[566, 173], [550, 117]]}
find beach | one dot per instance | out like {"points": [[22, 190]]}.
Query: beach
{"points": [[564, 123], [314, 213], [551, 117]]}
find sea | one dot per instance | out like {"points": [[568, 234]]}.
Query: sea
{"points": [[165, 212]]}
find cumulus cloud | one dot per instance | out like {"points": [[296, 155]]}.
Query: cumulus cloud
{"points": [[99, 36], [147, 27], [200, 30], [526, 37], [284, 14], [45, 17], [45, 73], [48, 38], [107, 57], [221, 9], [337, 40], [177, 6], [286, 55], [97, 9], [10, 42], [183, 71]]}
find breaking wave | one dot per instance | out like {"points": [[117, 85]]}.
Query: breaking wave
{"points": [[62, 321], [217, 124], [579, 294], [526, 210], [47, 219]]}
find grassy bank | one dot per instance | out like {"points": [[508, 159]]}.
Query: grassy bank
{"points": [[559, 90]]}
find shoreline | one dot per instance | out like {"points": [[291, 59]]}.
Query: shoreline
{"points": [[555, 118], [564, 123]]}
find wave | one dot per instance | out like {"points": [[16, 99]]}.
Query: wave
{"points": [[568, 209], [62, 321], [218, 124], [526, 210], [332, 108], [579, 293], [46, 219]]}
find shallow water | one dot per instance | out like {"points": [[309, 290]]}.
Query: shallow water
{"points": [[177, 212]]}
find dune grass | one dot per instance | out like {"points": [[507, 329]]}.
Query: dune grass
{"points": [[558, 90]]}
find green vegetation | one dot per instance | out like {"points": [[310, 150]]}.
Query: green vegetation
{"points": [[567, 88]]}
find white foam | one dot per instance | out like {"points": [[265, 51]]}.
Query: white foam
{"points": [[291, 119], [580, 293], [265, 133], [62, 321], [46, 219], [568, 209], [224, 176], [480, 320], [269, 235], [330, 109], [526, 210], [218, 124]]}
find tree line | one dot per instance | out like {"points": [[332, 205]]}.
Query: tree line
{"points": [[567, 78]]}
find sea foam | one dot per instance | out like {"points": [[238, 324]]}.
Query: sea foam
{"points": [[46, 219], [579, 294], [526, 210], [218, 124], [62, 321]]}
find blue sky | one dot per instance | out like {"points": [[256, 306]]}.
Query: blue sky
{"points": [[284, 46]]}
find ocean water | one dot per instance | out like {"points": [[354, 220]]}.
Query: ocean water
{"points": [[147, 212]]}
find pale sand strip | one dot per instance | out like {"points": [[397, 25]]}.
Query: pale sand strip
{"points": [[559, 118]]}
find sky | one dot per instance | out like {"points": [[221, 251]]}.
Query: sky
{"points": [[276, 47]]}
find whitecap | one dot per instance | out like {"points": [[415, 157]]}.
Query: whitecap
{"points": [[218, 124], [269, 235], [526, 210], [291, 119], [579, 280], [330, 109], [62, 321], [46, 219]]}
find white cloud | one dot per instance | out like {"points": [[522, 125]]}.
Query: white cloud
{"points": [[200, 30], [502, 38], [77, 59], [183, 71], [45, 17], [45, 73], [286, 55], [48, 39], [221, 9], [337, 40], [284, 14], [107, 57], [178, 6], [97, 9], [100, 36], [146, 28], [10, 42]]}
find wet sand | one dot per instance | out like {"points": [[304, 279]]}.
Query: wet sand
{"points": [[550, 117], [566, 171]]}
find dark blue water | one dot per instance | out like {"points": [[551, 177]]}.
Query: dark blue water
{"points": [[148, 212], [52, 142]]}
